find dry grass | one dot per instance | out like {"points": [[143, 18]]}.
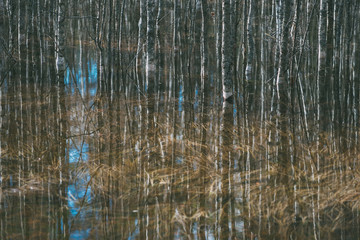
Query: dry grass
{"points": [[170, 170]]}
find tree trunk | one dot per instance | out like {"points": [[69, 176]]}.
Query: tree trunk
{"points": [[250, 81], [282, 84], [150, 46], [60, 37], [204, 47], [227, 59], [322, 82], [141, 38]]}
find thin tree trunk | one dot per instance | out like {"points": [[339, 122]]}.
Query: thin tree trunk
{"points": [[204, 47], [336, 72], [322, 82], [141, 38], [250, 82], [150, 46], [60, 37], [330, 53], [227, 59], [282, 83], [218, 23]]}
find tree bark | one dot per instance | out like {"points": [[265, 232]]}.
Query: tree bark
{"points": [[227, 59], [321, 80], [60, 37], [150, 46], [282, 83], [250, 81], [204, 47]]}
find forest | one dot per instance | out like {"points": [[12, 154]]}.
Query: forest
{"points": [[179, 119]]}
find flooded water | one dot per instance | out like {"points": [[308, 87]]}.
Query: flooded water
{"points": [[92, 151]]}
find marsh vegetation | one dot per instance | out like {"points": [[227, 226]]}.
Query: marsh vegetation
{"points": [[179, 120]]}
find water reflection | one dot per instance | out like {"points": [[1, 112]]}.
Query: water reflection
{"points": [[84, 160], [84, 79], [176, 172]]}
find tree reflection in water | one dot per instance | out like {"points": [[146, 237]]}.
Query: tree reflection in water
{"points": [[109, 148], [126, 173]]}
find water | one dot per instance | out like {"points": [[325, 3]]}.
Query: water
{"points": [[90, 152], [129, 168]]}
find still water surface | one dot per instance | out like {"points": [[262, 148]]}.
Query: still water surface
{"points": [[79, 163]]}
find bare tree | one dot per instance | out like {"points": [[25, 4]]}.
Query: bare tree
{"points": [[150, 45], [60, 36], [321, 80], [227, 57], [204, 47]]}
